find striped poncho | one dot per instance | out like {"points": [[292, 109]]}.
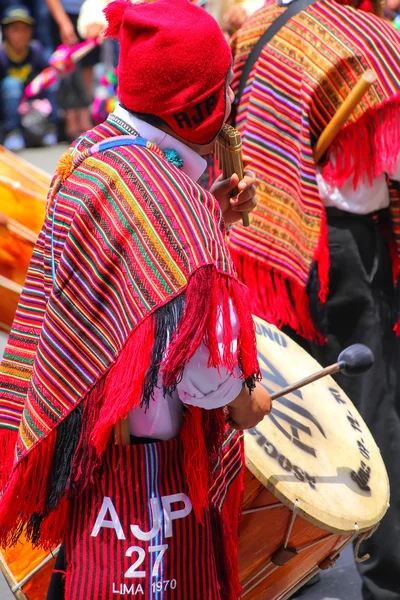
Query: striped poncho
{"points": [[139, 259], [295, 88]]}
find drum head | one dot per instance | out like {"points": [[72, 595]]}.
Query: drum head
{"points": [[314, 451]]}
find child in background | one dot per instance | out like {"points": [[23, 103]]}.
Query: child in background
{"points": [[76, 90], [21, 59]]}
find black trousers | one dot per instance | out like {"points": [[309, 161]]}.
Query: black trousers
{"points": [[359, 310]]}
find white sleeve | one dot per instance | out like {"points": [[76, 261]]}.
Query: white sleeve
{"points": [[207, 387], [369, 196]]}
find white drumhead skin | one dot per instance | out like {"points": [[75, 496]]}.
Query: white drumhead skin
{"points": [[314, 448]]}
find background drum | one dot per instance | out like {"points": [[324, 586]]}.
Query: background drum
{"points": [[315, 479], [27, 570], [23, 191]]}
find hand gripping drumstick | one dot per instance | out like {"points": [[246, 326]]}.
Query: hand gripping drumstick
{"points": [[340, 117], [354, 360]]}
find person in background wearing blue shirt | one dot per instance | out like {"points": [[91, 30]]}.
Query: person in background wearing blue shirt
{"points": [[21, 59]]}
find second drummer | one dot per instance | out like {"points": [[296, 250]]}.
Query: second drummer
{"points": [[322, 253]]}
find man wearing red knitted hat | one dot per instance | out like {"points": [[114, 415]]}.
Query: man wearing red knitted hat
{"points": [[132, 320]]}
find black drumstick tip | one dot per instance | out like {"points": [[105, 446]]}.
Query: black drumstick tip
{"points": [[356, 359]]}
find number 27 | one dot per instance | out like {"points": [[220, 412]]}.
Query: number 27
{"points": [[133, 572]]}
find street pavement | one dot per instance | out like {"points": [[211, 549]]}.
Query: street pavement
{"points": [[339, 583]]}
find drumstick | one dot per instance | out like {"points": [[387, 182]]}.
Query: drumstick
{"points": [[342, 114], [354, 360]]}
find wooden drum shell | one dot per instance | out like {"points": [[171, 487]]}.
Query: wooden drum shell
{"points": [[262, 532]]}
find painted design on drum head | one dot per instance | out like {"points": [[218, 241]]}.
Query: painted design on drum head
{"points": [[286, 420], [314, 453], [300, 426]]}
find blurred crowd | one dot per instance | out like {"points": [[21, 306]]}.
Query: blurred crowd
{"points": [[73, 93]]}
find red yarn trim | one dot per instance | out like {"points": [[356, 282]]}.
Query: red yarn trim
{"points": [[276, 298], [369, 146], [8, 439], [195, 460], [231, 514], [19, 502], [323, 260], [207, 289], [123, 385]]}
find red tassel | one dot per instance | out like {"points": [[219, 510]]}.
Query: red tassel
{"points": [[378, 132], [231, 514], [8, 439], [123, 386], [215, 426], [193, 324], [247, 332], [207, 288], [52, 529], [323, 260], [26, 492], [278, 299], [195, 459], [86, 459], [114, 13], [214, 302]]}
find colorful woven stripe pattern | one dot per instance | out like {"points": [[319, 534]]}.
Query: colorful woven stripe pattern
{"points": [[295, 88], [117, 260]]}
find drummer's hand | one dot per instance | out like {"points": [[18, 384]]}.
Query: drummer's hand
{"points": [[245, 201], [95, 30], [67, 31], [247, 410]]}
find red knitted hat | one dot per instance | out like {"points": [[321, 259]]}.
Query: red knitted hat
{"points": [[173, 63]]}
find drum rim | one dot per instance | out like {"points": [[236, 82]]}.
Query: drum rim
{"points": [[314, 515], [317, 516]]}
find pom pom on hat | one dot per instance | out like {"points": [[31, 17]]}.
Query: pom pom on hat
{"points": [[173, 64], [114, 13]]}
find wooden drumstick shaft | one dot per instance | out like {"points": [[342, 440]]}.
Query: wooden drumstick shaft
{"points": [[354, 360], [310, 379], [121, 432], [344, 111]]}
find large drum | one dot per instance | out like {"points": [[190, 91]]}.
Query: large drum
{"points": [[315, 480], [23, 191], [27, 570]]}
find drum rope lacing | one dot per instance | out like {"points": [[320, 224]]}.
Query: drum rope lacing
{"points": [[266, 571], [44, 562], [259, 508]]}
